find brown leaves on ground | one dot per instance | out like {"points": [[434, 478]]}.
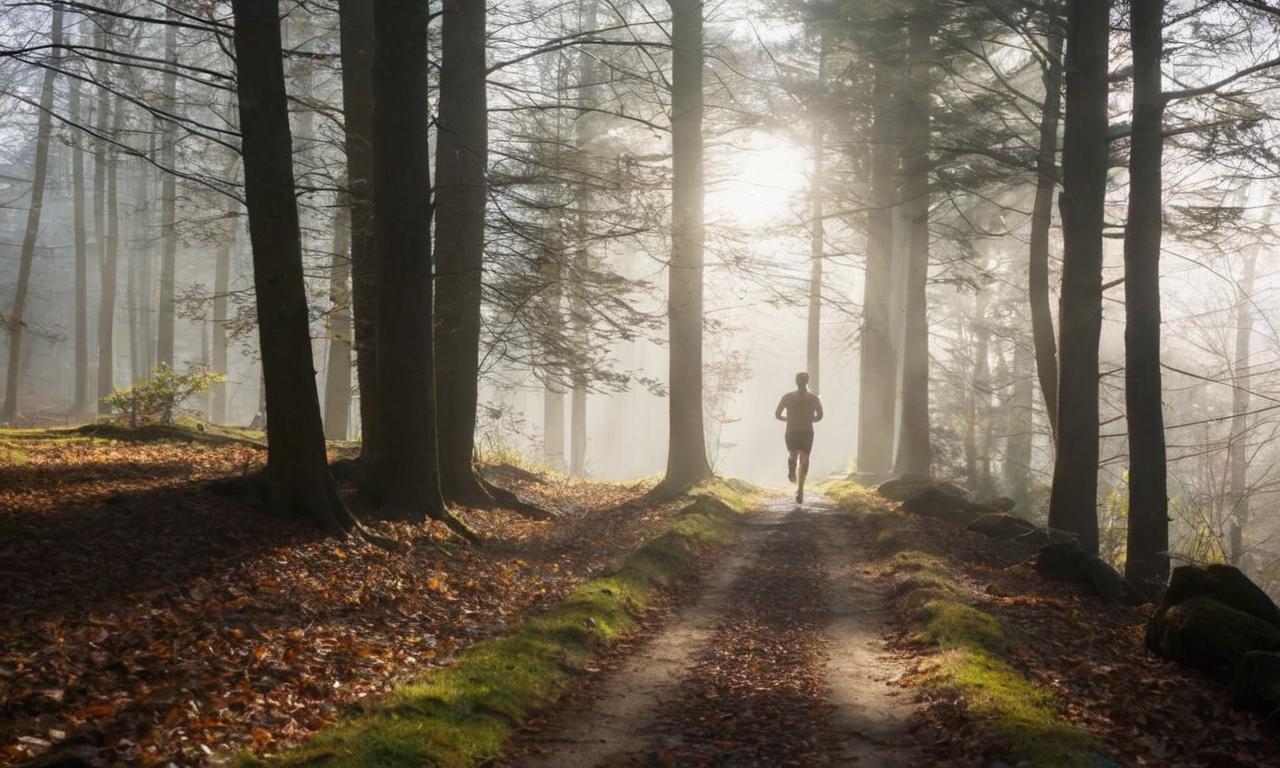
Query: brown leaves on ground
{"points": [[167, 624], [758, 695], [1147, 711]]}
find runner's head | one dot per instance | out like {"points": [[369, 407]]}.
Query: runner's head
{"points": [[802, 380]]}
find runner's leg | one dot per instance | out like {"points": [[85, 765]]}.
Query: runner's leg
{"points": [[804, 472]]}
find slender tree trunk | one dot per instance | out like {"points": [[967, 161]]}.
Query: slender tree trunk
{"points": [[1041, 221], [817, 144], [337, 379], [462, 146], [579, 307], [981, 388], [221, 289], [16, 320], [168, 201], [107, 308], [915, 454], [1017, 462], [1237, 453], [133, 267], [297, 469], [687, 453], [553, 437], [1147, 561], [356, 41], [1073, 504], [877, 375], [148, 271], [81, 403], [407, 482]]}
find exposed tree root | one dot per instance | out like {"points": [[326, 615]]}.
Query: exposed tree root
{"points": [[509, 500]]}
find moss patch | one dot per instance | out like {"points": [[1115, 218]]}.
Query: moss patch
{"points": [[461, 715], [1021, 718]]}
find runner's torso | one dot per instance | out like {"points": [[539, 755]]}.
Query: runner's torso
{"points": [[801, 408]]}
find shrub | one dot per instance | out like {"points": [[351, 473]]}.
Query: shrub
{"points": [[156, 399]]}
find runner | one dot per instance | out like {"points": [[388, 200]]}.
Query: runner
{"points": [[802, 409]]}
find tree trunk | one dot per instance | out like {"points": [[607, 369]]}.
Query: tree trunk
{"points": [[406, 480], [168, 200], [16, 321], [817, 144], [297, 469], [81, 404], [462, 146], [107, 307], [1237, 453], [337, 379], [915, 454], [1041, 221], [579, 307], [981, 388], [1017, 461], [221, 288], [1147, 561], [133, 282], [877, 375], [356, 41], [1073, 504], [687, 453]]}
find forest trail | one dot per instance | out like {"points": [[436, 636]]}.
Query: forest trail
{"points": [[779, 659]]}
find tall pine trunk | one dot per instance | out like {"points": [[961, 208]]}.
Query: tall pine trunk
{"points": [[81, 404], [1237, 453], [111, 258], [915, 453], [877, 375], [686, 453], [1046, 348], [168, 200], [406, 480], [462, 146], [16, 320], [337, 379], [817, 147], [221, 289], [356, 41], [297, 468], [1147, 561], [1073, 501], [1021, 422]]}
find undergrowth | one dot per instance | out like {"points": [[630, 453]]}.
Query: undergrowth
{"points": [[461, 715]]}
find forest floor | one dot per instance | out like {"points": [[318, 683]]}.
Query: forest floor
{"points": [[160, 622]]}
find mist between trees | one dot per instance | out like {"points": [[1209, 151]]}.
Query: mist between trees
{"points": [[1024, 246]]}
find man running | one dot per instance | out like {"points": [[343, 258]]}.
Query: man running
{"points": [[802, 409]]}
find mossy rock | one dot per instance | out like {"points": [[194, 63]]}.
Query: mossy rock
{"points": [[943, 505], [1256, 683], [1224, 583], [903, 488], [1000, 503], [1002, 526], [1206, 634]]}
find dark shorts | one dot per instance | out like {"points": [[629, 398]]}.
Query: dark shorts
{"points": [[800, 441]]}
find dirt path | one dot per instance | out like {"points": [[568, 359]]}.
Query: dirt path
{"points": [[779, 660]]}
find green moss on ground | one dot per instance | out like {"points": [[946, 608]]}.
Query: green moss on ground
{"points": [[1022, 718], [461, 715]]}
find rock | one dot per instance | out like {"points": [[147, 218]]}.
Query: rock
{"points": [[1001, 503], [1206, 634], [1224, 583], [944, 505], [1256, 683], [1065, 561], [1099, 578], [1003, 527], [1059, 561], [903, 488]]}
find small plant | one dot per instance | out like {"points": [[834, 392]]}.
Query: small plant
{"points": [[155, 400]]}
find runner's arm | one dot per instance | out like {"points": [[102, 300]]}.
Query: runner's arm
{"points": [[817, 409], [782, 406]]}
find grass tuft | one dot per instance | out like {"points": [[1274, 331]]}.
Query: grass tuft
{"points": [[461, 715]]}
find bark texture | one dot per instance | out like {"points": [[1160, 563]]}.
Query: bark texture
{"points": [[1046, 347], [1073, 503]]}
